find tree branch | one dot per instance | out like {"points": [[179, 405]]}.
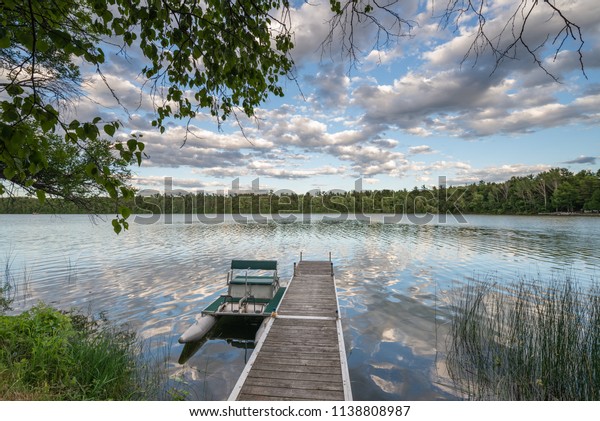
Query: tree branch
{"points": [[516, 26]]}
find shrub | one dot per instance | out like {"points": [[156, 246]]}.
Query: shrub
{"points": [[48, 354]]}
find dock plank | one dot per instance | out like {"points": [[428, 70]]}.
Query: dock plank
{"points": [[278, 392], [296, 368], [294, 384], [288, 375]]}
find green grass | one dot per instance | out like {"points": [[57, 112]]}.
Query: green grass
{"points": [[531, 341], [46, 354]]}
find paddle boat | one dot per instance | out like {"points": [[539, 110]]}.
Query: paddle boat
{"points": [[253, 290]]}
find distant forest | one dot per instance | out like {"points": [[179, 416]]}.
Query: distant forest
{"points": [[556, 190]]}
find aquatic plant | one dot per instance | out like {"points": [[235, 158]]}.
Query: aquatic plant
{"points": [[7, 286], [12, 286], [531, 341]]}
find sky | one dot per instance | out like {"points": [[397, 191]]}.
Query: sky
{"points": [[402, 115]]}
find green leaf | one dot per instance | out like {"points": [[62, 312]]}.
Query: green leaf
{"points": [[61, 39], [125, 211], [41, 195], [107, 16], [5, 41], [9, 173], [109, 129], [132, 144], [10, 115], [116, 226], [90, 130], [42, 46], [14, 89], [126, 155], [47, 125], [117, 27], [127, 193], [112, 192], [26, 39], [91, 169]]}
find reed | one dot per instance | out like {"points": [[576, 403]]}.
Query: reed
{"points": [[13, 286], [7, 286], [531, 341]]}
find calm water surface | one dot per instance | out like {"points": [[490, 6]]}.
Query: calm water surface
{"points": [[394, 283]]}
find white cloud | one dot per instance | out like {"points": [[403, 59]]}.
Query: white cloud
{"points": [[102, 91], [371, 181], [470, 104], [421, 149], [331, 88], [281, 172], [174, 184], [496, 173], [168, 150], [370, 160], [310, 30], [222, 172]]}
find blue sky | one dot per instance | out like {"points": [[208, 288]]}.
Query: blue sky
{"points": [[403, 116]]}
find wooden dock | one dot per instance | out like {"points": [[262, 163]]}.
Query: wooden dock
{"points": [[301, 354]]}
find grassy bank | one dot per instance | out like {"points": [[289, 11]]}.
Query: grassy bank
{"points": [[528, 342], [46, 354]]}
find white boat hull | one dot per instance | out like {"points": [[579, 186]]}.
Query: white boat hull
{"points": [[198, 330], [260, 331]]}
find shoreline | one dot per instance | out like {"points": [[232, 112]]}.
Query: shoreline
{"points": [[339, 214], [592, 214]]}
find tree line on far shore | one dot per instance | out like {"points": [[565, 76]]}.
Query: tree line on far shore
{"points": [[556, 190]]}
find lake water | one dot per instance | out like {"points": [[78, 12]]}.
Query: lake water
{"points": [[394, 282]]}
